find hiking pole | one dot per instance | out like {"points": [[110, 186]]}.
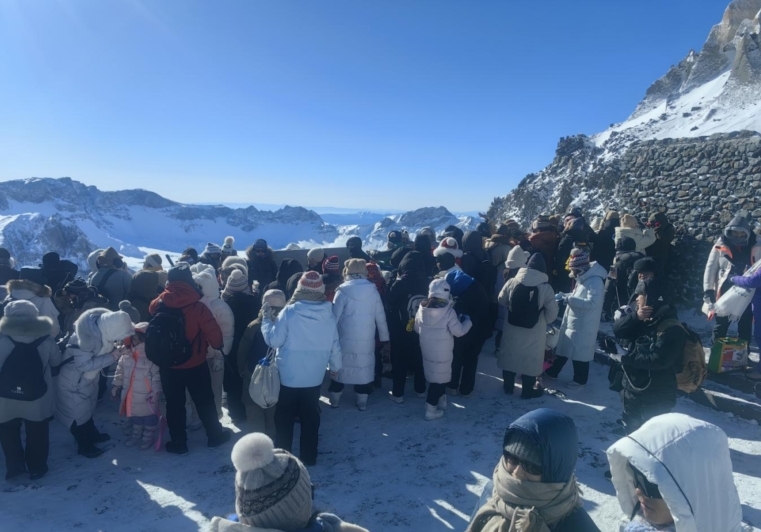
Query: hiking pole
{"points": [[171, 262]]}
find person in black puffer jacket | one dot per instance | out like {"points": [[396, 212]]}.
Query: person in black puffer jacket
{"points": [[617, 291], [604, 250], [424, 247], [404, 294], [288, 268], [654, 340], [261, 264], [471, 300], [660, 250]]}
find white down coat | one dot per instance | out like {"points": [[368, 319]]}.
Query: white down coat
{"points": [[77, 383], [437, 328], [689, 461], [578, 333], [522, 349], [137, 377], [40, 296], [643, 238], [221, 311], [358, 309]]}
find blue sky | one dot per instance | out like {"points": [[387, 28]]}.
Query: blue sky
{"points": [[394, 104]]}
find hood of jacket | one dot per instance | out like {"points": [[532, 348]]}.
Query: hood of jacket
{"points": [[472, 242], [413, 264], [178, 294], [24, 289], [595, 270], [529, 277], [145, 284], [517, 258], [433, 316], [554, 434], [313, 310], [358, 289], [288, 268], [208, 284], [689, 460], [423, 243], [25, 328], [88, 333], [92, 260], [251, 255]]}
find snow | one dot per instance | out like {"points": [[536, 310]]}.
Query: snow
{"points": [[386, 469]]}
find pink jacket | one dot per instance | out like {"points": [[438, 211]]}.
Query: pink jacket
{"points": [[137, 377]]}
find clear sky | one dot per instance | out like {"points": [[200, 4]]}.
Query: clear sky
{"points": [[347, 103]]}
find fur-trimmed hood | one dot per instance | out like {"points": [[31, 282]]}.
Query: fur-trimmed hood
{"points": [[17, 287], [25, 327]]}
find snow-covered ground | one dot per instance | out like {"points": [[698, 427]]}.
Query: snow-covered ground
{"points": [[386, 469]]}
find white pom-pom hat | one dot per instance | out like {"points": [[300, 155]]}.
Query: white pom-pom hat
{"points": [[448, 245], [272, 487]]}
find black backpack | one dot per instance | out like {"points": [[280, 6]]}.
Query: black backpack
{"points": [[523, 309], [165, 342], [22, 376]]}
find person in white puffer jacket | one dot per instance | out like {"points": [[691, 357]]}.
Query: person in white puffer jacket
{"points": [[226, 321], [359, 311], [437, 324], [674, 474]]}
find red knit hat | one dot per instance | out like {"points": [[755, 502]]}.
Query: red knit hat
{"points": [[331, 265], [311, 281], [448, 245]]}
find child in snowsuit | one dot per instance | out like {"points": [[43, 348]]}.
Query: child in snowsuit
{"points": [[437, 324], [137, 385]]}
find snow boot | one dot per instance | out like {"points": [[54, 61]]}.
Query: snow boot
{"points": [[362, 401], [37, 475], [220, 439], [431, 412], [180, 448], [149, 435], [442, 402], [397, 400], [89, 450], [334, 397], [530, 390], [136, 436], [127, 427]]}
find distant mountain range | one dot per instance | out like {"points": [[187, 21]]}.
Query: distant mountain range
{"points": [[44, 214]]}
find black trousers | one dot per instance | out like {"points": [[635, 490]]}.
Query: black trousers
{"points": [[233, 384], [465, 366], [406, 356], [85, 434], [580, 369], [304, 403], [744, 326], [33, 456], [641, 407], [197, 381], [336, 386], [508, 385], [435, 392]]}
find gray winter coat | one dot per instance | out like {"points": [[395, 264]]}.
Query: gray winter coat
{"points": [[115, 288], [437, 328], [26, 330], [77, 384], [578, 333], [522, 349]]}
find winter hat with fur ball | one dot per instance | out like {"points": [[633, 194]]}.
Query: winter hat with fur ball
{"points": [[126, 306], [578, 261], [227, 247], [237, 282], [272, 487], [439, 288], [212, 249], [448, 245], [311, 282]]}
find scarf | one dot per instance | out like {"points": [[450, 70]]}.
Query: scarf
{"points": [[521, 506], [227, 293], [307, 295]]}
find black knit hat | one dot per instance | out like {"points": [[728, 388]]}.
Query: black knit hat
{"points": [[646, 265], [181, 273], [536, 262], [522, 446]]}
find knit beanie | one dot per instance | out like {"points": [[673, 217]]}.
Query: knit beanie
{"points": [[646, 265], [76, 286], [132, 312], [237, 282], [272, 487], [260, 244], [212, 249], [536, 262], [522, 446], [227, 247], [579, 260], [517, 258], [316, 255], [355, 269], [115, 326], [448, 245], [439, 288], [331, 265], [274, 298], [626, 244], [311, 282], [181, 274]]}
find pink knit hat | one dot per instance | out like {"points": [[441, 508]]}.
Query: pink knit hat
{"points": [[448, 245]]}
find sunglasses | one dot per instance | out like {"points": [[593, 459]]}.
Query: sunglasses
{"points": [[528, 467], [648, 488]]}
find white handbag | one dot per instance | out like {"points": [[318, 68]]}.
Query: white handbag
{"points": [[265, 382], [553, 336]]}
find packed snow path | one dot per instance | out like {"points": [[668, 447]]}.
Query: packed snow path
{"points": [[386, 469]]}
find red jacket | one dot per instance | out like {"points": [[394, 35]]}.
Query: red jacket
{"points": [[199, 321]]}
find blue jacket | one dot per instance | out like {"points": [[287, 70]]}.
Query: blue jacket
{"points": [[306, 339], [752, 281]]}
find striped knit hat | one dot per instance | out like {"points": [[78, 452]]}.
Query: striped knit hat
{"points": [[272, 487], [578, 261], [237, 282], [311, 282], [331, 265], [212, 249]]}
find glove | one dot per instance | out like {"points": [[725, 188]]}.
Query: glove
{"points": [[709, 296], [218, 363], [385, 352], [464, 318], [116, 393]]}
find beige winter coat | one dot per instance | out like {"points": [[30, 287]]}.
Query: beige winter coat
{"points": [[522, 350], [27, 330], [643, 238]]}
